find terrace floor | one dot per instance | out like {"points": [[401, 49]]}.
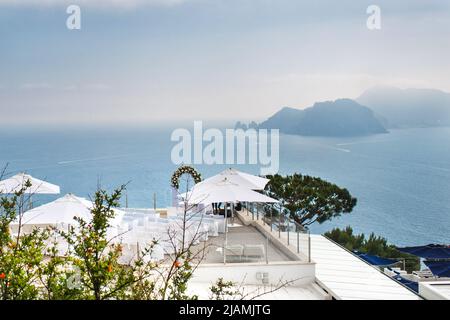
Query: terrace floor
{"points": [[239, 234]]}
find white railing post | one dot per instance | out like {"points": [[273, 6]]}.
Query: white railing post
{"points": [[279, 229], [271, 219], [309, 247], [225, 243], [288, 231]]}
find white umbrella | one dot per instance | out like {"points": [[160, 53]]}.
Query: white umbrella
{"points": [[225, 191], [62, 211], [237, 177], [17, 182]]}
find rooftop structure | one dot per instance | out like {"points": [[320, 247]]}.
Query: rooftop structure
{"points": [[265, 257], [329, 272], [347, 277]]}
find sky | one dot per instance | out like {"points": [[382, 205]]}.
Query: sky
{"points": [[137, 61]]}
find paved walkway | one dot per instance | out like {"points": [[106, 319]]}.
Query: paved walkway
{"points": [[242, 235]]}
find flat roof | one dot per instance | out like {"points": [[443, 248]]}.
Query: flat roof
{"points": [[347, 277]]}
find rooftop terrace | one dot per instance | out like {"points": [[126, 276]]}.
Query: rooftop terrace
{"points": [[245, 236]]}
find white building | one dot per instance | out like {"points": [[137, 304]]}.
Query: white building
{"points": [[309, 267]]}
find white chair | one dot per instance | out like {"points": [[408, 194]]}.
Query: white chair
{"points": [[156, 254], [235, 251], [129, 253], [213, 227], [62, 247]]}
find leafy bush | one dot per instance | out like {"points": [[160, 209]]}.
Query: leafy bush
{"points": [[374, 245]]}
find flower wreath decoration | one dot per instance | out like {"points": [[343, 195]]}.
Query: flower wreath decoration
{"points": [[184, 170]]}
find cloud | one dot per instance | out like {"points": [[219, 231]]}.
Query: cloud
{"points": [[363, 79], [97, 86], [303, 90], [36, 86], [70, 87], [92, 3]]}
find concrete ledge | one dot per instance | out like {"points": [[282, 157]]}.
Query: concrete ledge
{"points": [[294, 272], [435, 290]]}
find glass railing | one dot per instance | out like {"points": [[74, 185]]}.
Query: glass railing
{"points": [[282, 226]]}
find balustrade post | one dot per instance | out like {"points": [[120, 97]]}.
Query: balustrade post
{"points": [[288, 231], [257, 211], [279, 229], [309, 247], [271, 219]]}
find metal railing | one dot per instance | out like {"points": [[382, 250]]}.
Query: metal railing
{"points": [[282, 226]]}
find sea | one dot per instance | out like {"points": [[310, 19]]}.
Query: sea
{"points": [[401, 179]]}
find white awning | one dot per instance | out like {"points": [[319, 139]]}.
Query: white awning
{"points": [[237, 177], [17, 182], [62, 211], [224, 191]]}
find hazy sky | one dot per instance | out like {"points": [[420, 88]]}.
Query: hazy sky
{"points": [[155, 60]]}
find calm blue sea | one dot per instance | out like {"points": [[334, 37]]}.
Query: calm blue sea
{"points": [[401, 179]]}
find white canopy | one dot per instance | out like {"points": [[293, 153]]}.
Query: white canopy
{"points": [[225, 191], [15, 183], [62, 211], [239, 178]]}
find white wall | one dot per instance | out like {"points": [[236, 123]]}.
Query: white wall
{"points": [[299, 273]]}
